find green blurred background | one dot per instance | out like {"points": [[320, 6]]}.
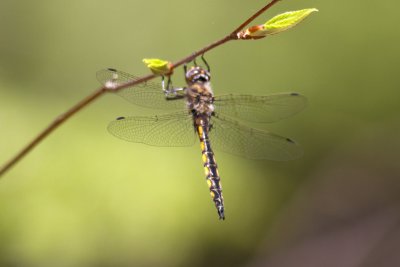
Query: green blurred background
{"points": [[85, 198]]}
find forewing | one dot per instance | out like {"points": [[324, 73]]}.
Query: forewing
{"points": [[269, 108], [147, 94], [230, 136], [175, 129]]}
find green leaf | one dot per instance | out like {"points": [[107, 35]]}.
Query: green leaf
{"points": [[277, 24], [286, 20], [158, 66]]}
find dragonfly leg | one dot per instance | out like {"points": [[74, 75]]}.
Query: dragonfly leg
{"points": [[175, 93], [163, 83], [171, 92], [205, 62], [169, 87], [169, 83]]}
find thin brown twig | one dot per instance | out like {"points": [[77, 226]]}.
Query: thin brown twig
{"points": [[99, 92]]}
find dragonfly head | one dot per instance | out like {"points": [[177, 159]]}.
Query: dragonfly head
{"points": [[197, 74]]}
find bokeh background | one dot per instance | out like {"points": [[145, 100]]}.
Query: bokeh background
{"points": [[85, 198]]}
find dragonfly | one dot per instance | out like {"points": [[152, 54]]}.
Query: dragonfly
{"points": [[216, 120]]}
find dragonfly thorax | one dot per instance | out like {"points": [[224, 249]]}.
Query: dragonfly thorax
{"points": [[199, 93], [200, 98]]}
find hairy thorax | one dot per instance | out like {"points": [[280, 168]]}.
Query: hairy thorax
{"points": [[200, 98]]}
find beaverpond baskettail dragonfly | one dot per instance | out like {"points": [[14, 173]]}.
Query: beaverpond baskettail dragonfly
{"points": [[211, 118]]}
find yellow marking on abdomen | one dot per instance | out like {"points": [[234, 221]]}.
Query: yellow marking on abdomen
{"points": [[200, 130], [202, 146], [206, 171], [212, 194], [204, 157]]}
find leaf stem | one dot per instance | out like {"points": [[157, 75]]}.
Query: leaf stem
{"points": [[255, 15]]}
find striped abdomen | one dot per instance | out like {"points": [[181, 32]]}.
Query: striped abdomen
{"points": [[210, 166]]}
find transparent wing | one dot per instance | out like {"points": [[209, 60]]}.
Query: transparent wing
{"points": [[269, 108], [230, 136], [148, 94], [175, 129]]}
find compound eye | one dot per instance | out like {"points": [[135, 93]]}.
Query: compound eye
{"points": [[203, 79]]}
